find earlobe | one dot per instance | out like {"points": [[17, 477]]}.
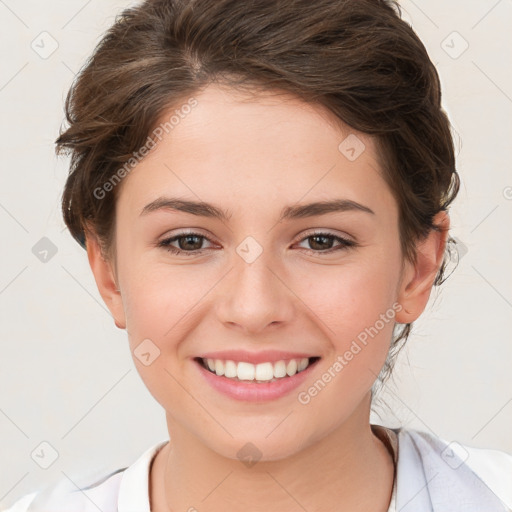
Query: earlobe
{"points": [[105, 281], [418, 279]]}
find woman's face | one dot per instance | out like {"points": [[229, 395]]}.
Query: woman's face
{"points": [[258, 282]]}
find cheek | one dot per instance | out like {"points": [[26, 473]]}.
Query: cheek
{"points": [[355, 305], [357, 313], [163, 306], [158, 299], [159, 313], [354, 294]]}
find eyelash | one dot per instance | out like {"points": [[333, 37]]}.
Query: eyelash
{"points": [[345, 243]]}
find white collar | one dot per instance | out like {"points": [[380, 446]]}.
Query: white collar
{"points": [[134, 488], [431, 476]]}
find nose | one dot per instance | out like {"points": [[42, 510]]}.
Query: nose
{"points": [[254, 296]]}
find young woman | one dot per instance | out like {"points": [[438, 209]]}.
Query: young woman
{"points": [[262, 189]]}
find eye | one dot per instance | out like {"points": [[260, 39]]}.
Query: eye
{"points": [[322, 242], [188, 244]]}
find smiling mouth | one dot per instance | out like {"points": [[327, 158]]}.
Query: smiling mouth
{"points": [[259, 373]]}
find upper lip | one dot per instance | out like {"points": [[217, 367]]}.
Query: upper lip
{"points": [[263, 356]]}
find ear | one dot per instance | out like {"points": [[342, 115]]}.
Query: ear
{"points": [[418, 279], [105, 280]]}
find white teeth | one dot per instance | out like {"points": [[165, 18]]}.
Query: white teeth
{"points": [[262, 372], [230, 369], [291, 367], [280, 369], [219, 367], [302, 364], [245, 371]]}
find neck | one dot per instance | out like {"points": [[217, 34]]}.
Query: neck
{"points": [[333, 473]]}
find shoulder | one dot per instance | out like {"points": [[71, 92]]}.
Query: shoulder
{"points": [[65, 496], [108, 492], [22, 504], [466, 465]]}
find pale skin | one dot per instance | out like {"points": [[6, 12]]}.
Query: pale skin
{"points": [[252, 157]]}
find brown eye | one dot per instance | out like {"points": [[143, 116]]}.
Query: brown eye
{"points": [[188, 243], [323, 243]]}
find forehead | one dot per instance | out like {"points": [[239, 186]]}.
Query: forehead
{"points": [[232, 146]]}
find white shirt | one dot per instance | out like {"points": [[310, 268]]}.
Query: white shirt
{"points": [[432, 475]]}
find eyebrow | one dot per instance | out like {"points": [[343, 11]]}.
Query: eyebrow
{"points": [[203, 209]]}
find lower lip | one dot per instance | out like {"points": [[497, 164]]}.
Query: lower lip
{"points": [[252, 391]]}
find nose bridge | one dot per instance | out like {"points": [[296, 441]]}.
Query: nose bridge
{"points": [[253, 296]]}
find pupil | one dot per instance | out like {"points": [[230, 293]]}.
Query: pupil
{"points": [[188, 238], [321, 237]]}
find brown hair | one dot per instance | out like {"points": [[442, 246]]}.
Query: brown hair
{"points": [[357, 58]]}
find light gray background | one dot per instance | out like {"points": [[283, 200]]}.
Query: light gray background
{"points": [[66, 374]]}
